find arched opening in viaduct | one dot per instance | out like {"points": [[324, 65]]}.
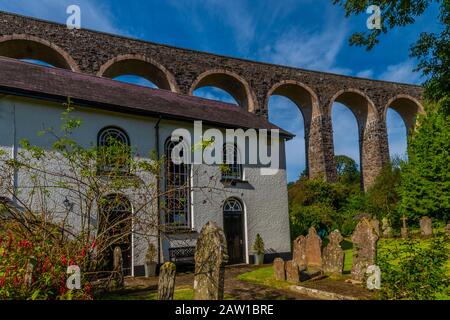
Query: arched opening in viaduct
{"points": [[137, 69], [229, 82], [400, 115], [367, 132], [36, 50], [292, 106]]}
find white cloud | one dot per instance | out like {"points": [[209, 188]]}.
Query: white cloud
{"points": [[401, 72], [311, 49], [94, 14], [365, 74], [235, 15]]}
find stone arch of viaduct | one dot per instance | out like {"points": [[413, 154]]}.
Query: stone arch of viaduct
{"points": [[250, 83]]}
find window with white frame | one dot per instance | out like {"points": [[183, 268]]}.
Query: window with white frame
{"points": [[231, 168], [114, 150], [177, 189]]}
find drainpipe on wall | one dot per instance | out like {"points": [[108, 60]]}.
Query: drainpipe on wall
{"points": [[158, 187], [14, 154]]}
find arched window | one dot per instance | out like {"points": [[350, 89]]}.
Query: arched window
{"points": [[177, 189], [233, 206], [231, 168], [114, 150]]}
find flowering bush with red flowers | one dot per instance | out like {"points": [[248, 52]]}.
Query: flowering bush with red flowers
{"points": [[34, 266]]}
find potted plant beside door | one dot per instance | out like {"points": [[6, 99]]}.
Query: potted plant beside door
{"points": [[150, 264], [258, 250]]}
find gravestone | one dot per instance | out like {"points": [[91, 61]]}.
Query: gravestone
{"points": [[166, 281], [404, 229], [313, 249], [118, 266], [28, 279], [447, 229], [299, 251], [386, 228], [333, 255], [292, 272], [426, 228], [364, 241], [211, 257], [279, 269]]}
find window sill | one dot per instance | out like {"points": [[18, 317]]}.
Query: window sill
{"points": [[177, 230], [232, 181]]}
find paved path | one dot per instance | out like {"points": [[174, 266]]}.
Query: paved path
{"points": [[235, 288]]}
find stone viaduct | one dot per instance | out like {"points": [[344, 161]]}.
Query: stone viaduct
{"points": [[250, 83]]}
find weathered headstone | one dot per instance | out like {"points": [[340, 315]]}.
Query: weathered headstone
{"points": [[404, 229], [118, 266], [210, 258], [299, 251], [426, 228], [364, 241], [374, 277], [166, 281], [28, 279], [386, 227], [333, 255], [292, 271], [447, 229], [279, 269], [313, 249]]}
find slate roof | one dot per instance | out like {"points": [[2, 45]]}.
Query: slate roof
{"points": [[54, 84]]}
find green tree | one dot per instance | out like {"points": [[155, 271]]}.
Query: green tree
{"points": [[347, 169], [425, 187], [431, 49], [383, 196]]}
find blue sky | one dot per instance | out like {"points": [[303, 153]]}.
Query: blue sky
{"points": [[310, 34]]}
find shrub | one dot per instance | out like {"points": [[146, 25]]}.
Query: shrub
{"points": [[19, 250], [304, 217], [414, 270], [258, 246]]}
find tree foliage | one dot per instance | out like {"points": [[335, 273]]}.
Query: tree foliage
{"points": [[346, 169], [425, 187], [383, 196], [414, 269], [431, 49]]}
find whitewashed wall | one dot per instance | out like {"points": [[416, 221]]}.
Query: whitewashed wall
{"points": [[264, 197]]}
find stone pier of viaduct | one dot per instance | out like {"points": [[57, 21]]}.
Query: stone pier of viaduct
{"points": [[250, 83]]}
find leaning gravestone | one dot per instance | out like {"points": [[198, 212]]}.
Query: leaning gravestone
{"points": [[166, 281], [292, 272], [404, 229], [313, 249], [386, 228], [426, 228], [210, 258], [299, 251], [118, 266], [333, 255], [364, 241], [279, 269]]}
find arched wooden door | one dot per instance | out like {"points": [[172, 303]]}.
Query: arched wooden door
{"points": [[115, 230], [233, 225]]}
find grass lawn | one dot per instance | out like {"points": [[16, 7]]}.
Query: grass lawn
{"points": [[264, 276]]}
